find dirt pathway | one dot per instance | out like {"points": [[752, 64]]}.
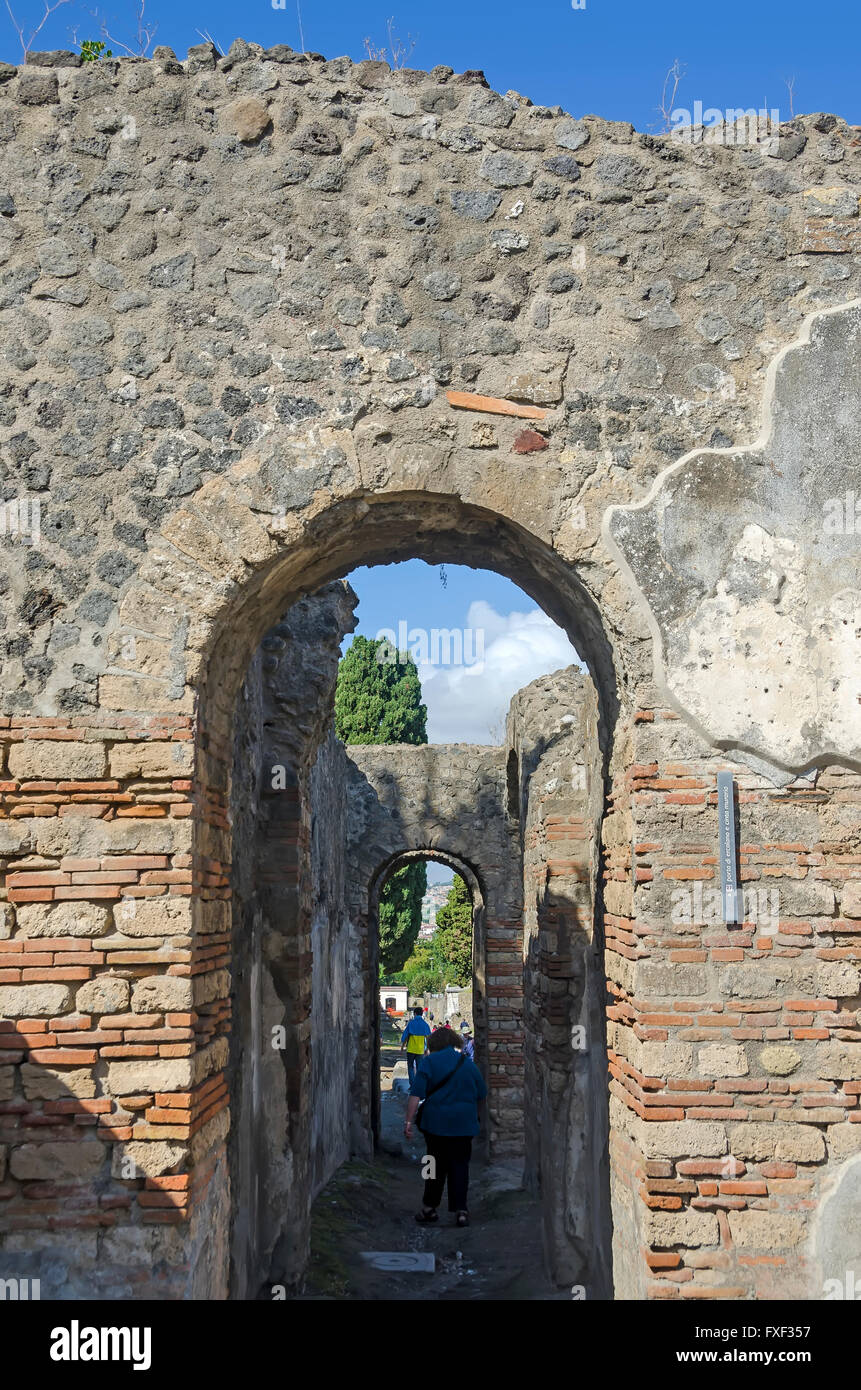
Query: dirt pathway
{"points": [[371, 1206]]}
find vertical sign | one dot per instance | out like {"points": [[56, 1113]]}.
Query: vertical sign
{"points": [[726, 846]]}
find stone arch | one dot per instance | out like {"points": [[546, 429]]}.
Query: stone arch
{"points": [[460, 865], [447, 802], [477, 816], [253, 576], [471, 876]]}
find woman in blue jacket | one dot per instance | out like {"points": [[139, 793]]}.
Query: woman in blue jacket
{"points": [[452, 1089]]}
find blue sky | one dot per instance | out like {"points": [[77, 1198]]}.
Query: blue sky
{"points": [[608, 58], [504, 640]]}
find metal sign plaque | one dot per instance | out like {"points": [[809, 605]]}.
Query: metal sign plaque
{"points": [[726, 848]]}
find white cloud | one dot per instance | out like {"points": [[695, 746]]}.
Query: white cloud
{"points": [[468, 704]]}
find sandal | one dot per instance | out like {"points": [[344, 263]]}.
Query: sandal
{"points": [[426, 1216], [462, 1218]]}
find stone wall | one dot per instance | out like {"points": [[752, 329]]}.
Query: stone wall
{"points": [[734, 1053], [294, 948], [341, 1012], [555, 789]]}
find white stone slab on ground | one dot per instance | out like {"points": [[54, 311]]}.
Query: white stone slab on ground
{"points": [[401, 1261]]}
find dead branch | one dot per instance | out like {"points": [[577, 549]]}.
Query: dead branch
{"points": [[674, 75], [26, 45]]}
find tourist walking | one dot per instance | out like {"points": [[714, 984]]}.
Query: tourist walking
{"points": [[414, 1039], [452, 1089]]}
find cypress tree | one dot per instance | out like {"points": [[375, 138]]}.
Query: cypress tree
{"points": [[378, 700], [453, 937]]}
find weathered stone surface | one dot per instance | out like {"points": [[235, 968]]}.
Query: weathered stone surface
{"points": [[50, 1083], [153, 1158], [694, 1228], [56, 760], [162, 916], [839, 979], [765, 1230], [34, 1001], [771, 539], [844, 1141], [62, 919], [670, 980], [58, 1162], [106, 994], [482, 435], [571, 135], [682, 1138], [161, 994], [723, 1059], [539, 387], [214, 985], [247, 118], [839, 1061], [792, 1142], [780, 1060], [136, 1078], [151, 760]]}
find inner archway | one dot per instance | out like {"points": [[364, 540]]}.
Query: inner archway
{"points": [[402, 803], [474, 987]]}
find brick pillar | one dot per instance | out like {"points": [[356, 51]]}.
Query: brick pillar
{"points": [[113, 992], [500, 991], [735, 1052]]}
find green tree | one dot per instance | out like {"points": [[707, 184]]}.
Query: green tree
{"points": [[378, 699], [422, 972], [452, 940], [447, 958], [401, 915]]}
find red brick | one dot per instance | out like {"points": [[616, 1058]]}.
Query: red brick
{"points": [[65, 1057]]}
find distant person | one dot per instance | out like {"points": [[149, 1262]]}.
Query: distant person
{"points": [[452, 1089], [414, 1039], [467, 1045]]}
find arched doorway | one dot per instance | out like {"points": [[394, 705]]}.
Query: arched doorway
{"points": [[479, 947], [416, 804]]}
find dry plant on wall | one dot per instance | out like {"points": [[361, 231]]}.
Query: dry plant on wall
{"points": [[399, 50], [144, 35], [27, 43], [672, 80]]}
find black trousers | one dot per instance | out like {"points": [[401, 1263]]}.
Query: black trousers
{"points": [[451, 1155]]}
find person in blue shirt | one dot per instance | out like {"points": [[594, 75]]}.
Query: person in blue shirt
{"points": [[413, 1038], [452, 1089]]}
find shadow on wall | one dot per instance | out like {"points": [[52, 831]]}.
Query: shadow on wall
{"points": [[555, 788]]}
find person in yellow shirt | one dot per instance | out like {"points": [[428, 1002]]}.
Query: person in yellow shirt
{"points": [[414, 1040]]}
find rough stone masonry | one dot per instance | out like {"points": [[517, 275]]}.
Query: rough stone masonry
{"points": [[236, 292]]}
